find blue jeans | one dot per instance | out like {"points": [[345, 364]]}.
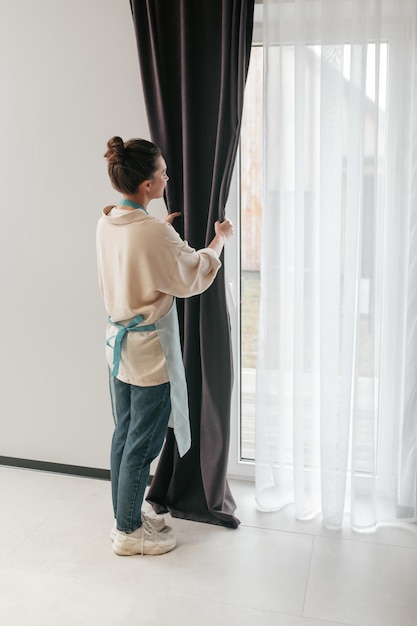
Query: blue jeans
{"points": [[141, 417]]}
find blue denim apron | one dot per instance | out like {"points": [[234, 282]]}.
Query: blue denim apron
{"points": [[169, 336]]}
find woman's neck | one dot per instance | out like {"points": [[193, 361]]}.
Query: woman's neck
{"points": [[138, 199]]}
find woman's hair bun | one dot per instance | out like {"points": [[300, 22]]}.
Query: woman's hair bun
{"points": [[115, 150], [130, 163]]}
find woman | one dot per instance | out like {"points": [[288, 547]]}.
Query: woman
{"points": [[143, 266]]}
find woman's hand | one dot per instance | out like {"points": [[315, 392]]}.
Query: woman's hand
{"points": [[224, 229], [171, 217]]}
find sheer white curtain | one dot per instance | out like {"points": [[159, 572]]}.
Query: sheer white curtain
{"points": [[336, 399]]}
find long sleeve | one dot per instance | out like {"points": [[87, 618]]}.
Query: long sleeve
{"points": [[192, 271]]}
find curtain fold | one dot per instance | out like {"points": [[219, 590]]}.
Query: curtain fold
{"points": [[194, 58], [336, 428]]}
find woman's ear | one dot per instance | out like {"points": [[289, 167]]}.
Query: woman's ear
{"points": [[145, 185]]}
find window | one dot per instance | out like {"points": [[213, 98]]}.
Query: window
{"points": [[250, 246], [249, 200]]}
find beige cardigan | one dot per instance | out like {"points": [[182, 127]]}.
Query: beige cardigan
{"points": [[142, 264]]}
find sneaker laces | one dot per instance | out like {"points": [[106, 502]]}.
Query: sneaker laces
{"points": [[149, 529]]}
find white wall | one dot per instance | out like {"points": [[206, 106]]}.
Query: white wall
{"points": [[69, 79]]}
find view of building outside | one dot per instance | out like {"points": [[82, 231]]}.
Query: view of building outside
{"points": [[251, 219], [250, 229]]}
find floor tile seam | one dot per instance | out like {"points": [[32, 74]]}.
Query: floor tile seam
{"points": [[310, 617], [278, 530], [74, 577], [323, 621], [307, 582], [324, 536], [368, 543], [27, 536], [235, 605], [34, 571], [272, 612]]}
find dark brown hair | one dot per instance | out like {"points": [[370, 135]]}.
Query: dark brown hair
{"points": [[131, 162]]}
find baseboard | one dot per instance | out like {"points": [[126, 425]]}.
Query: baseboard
{"points": [[57, 468]]}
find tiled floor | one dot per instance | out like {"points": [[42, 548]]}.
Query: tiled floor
{"points": [[57, 567]]}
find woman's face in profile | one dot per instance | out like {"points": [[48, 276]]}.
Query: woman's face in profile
{"points": [[160, 179]]}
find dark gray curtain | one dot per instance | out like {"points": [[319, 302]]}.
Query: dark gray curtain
{"points": [[194, 56]]}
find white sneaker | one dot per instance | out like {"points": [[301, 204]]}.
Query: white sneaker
{"points": [[157, 523], [144, 540]]}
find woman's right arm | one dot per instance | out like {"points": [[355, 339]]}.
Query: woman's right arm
{"points": [[184, 271], [223, 230]]}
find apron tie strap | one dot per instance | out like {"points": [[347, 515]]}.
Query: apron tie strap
{"points": [[132, 326]]}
